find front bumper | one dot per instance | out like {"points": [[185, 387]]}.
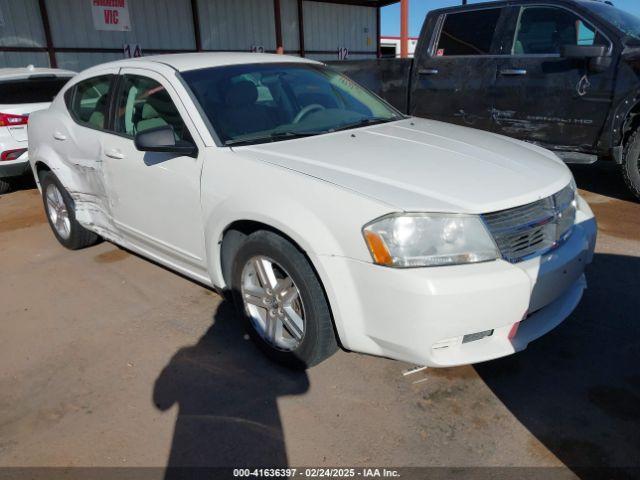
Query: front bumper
{"points": [[422, 315]]}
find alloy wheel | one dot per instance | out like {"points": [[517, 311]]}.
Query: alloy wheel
{"points": [[273, 303], [58, 213]]}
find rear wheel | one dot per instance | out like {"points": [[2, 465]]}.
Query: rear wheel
{"points": [[631, 164], [282, 301], [5, 186], [58, 206]]}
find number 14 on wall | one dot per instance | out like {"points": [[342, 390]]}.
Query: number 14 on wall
{"points": [[132, 50]]}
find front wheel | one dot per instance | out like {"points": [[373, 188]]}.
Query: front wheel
{"points": [[282, 301], [631, 164], [61, 215]]}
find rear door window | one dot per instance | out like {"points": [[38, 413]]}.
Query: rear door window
{"points": [[144, 104], [88, 101], [31, 90], [468, 33], [545, 30]]}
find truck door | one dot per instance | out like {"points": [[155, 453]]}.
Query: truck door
{"points": [[455, 71], [542, 97]]}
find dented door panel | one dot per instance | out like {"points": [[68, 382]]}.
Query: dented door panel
{"points": [[76, 160]]}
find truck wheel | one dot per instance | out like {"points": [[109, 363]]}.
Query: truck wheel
{"points": [[62, 218], [5, 186], [631, 164], [282, 301]]}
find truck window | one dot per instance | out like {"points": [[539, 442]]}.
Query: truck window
{"points": [[544, 30], [468, 33]]}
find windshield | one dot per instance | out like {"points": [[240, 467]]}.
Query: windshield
{"points": [[260, 103], [629, 24]]}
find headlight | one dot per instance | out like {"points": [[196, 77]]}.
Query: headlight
{"points": [[425, 240]]}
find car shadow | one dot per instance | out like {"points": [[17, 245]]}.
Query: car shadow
{"points": [[226, 392], [577, 389], [603, 178]]}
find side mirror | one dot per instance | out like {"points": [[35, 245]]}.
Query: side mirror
{"points": [[163, 139], [597, 56]]}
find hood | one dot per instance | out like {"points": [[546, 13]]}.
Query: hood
{"points": [[424, 165]]}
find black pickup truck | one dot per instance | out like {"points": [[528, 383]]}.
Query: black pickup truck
{"points": [[564, 74]]}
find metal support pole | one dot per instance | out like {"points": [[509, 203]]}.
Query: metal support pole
{"points": [[404, 28], [278, 25], [53, 63], [196, 25], [378, 33], [301, 27]]}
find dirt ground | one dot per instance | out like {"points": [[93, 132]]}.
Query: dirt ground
{"points": [[110, 360]]}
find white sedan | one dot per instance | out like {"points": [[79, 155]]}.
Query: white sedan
{"points": [[333, 219], [23, 91]]}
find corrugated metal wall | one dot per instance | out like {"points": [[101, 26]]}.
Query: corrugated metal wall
{"points": [[237, 24], [155, 24], [164, 25], [20, 26], [328, 27]]}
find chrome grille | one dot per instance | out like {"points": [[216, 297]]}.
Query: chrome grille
{"points": [[532, 229]]}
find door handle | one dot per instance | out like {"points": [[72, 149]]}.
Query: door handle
{"points": [[428, 71], [114, 153], [512, 72], [59, 136]]}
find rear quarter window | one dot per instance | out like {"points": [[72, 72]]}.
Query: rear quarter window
{"points": [[30, 90], [88, 101]]}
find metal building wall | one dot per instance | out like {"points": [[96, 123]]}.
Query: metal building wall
{"points": [[328, 27], [161, 26], [21, 26], [155, 25], [237, 24]]}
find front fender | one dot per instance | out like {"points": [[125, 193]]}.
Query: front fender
{"points": [[321, 218]]}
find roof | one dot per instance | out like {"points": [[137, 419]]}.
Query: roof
{"points": [[193, 61], [29, 71], [366, 3], [501, 3]]}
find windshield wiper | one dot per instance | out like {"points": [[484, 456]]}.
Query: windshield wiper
{"points": [[293, 134], [364, 122], [273, 137]]}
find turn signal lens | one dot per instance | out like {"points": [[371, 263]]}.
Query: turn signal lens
{"points": [[378, 249]]}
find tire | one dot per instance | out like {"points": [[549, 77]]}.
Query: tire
{"points": [[631, 164], [289, 266], [72, 235], [5, 186]]}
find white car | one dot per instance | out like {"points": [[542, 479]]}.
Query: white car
{"points": [[332, 218], [22, 91]]}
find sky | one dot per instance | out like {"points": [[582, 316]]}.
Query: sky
{"points": [[418, 9]]}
